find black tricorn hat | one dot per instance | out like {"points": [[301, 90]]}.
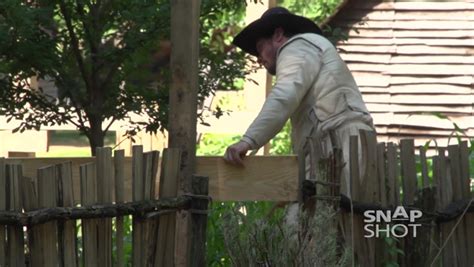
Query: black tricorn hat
{"points": [[270, 20]]}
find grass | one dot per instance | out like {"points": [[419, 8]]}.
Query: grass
{"points": [[65, 152]]}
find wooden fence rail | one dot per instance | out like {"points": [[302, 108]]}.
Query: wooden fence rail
{"points": [[39, 217]]}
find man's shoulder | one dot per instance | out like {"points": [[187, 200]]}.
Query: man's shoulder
{"points": [[307, 39]]}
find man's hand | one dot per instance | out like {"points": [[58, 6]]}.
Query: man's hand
{"points": [[236, 153]]}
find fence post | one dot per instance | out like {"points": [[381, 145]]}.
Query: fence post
{"points": [[119, 158], [16, 243], [165, 247], [67, 229], [199, 207], [3, 206]]}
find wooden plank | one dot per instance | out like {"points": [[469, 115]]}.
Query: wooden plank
{"points": [[424, 168], [411, 41], [381, 49], [150, 168], [166, 245], [437, 182], [369, 58], [412, 108], [139, 224], [358, 14], [413, 6], [3, 206], [47, 198], [381, 174], [465, 180], [30, 203], [427, 50], [89, 227], [15, 246], [449, 254], [435, 15], [67, 242], [362, 67], [441, 34], [370, 183], [119, 158], [197, 256], [430, 88], [413, 69], [455, 168], [377, 33], [371, 79], [460, 244], [229, 183], [430, 99], [377, 98], [421, 120], [104, 196], [371, 190], [441, 6], [407, 159], [423, 59], [428, 69], [406, 25], [456, 80]]}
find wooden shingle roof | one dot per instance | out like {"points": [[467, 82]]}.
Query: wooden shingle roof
{"points": [[414, 64]]}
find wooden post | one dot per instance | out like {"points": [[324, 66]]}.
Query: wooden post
{"points": [[89, 226], [183, 102], [47, 191], [407, 158], [139, 255], [119, 158], [104, 196], [67, 229], [165, 247], [199, 206], [184, 85], [3, 206], [15, 245]]}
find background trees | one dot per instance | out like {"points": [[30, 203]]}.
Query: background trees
{"points": [[107, 59]]}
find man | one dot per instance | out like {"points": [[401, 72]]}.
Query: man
{"points": [[313, 88]]}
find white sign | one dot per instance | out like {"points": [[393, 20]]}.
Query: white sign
{"points": [[396, 224]]}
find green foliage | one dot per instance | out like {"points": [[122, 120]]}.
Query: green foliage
{"points": [[107, 59], [215, 144], [318, 11], [217, 255], [281, 143], [260, 241]]}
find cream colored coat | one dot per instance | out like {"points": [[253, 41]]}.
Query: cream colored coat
{"points": [[314, 88]]}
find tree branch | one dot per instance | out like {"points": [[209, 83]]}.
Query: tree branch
{"points": [[137, 208], [75, 44]]}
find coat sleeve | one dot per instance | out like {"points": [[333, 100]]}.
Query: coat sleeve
{"points": [[298, 65]]}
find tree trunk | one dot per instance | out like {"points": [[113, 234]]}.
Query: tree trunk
{"points": [[96, 134]]}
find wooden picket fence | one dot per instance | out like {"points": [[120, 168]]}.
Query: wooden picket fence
{"points": [[402, 175], [40, 215], [41, 223]]}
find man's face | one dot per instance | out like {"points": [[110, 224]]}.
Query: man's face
{"points": [[267, 52]]}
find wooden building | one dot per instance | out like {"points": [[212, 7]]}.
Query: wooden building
{"points": [[414, 63]]}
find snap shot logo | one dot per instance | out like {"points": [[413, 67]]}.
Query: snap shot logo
{"points": [[387, 223]]}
